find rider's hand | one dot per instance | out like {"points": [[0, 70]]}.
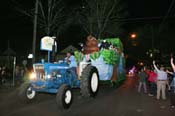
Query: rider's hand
{"points": [[153, 61], [171, 59]]}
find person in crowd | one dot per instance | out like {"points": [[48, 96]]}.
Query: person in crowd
{"points": [[0, 76], [17, 72], [152, 79], [142, 80], [162, 81], [172, 85], [4, 74]]}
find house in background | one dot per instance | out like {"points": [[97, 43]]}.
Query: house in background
{"points": [[61, 55], [6, 58]]}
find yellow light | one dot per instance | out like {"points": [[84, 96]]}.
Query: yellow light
{"points": [[33, 75], [133, 35], [141, 63]]}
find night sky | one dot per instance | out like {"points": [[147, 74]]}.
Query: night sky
{"points": [[18, 29]]}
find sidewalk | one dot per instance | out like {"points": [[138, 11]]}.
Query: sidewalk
{"points": [[9, 85]]}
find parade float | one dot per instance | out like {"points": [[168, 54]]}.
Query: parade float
{"points": [[107, 56], [99, 60]]}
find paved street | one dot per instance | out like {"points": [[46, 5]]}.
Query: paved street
{"points": [[122, 101]]}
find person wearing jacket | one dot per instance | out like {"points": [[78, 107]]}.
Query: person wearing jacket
{"points": [[142, 80], [152, 79]]}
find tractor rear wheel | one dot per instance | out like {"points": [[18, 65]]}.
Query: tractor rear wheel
{"points": [[89, 81]]}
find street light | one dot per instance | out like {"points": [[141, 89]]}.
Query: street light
{"points": [[30, 56], [133, 35], [132, 39]]}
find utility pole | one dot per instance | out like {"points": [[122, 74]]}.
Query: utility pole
{"points": [[35, 31], [152, 38], [152, 42]]}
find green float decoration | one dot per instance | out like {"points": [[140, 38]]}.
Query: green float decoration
{"points": [[110, 56], [78, 56], [95, 55]]}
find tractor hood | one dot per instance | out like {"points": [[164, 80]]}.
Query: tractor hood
{"points": [[50, 66]]}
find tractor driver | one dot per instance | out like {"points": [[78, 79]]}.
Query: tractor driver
{"points": [[70, 59]]}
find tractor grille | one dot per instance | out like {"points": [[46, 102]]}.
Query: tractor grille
{"points": [[39, 70]]}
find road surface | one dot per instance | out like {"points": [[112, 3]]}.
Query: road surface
{"points": [[121, 101]]}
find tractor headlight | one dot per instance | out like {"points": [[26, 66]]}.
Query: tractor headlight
{"points": [[48, 76], [33, 76]]}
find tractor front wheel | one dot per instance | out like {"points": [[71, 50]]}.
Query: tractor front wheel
{"points": [[64, 97], [26, 93]]}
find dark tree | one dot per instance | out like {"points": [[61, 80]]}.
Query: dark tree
{"points": [[102, 18]]}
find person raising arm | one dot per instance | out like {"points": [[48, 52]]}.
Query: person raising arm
{"points": [[172, 85], [161, 81], [172, 64]]}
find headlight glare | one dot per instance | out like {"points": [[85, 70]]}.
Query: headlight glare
{"points": [[48, 76], [33, 75]]}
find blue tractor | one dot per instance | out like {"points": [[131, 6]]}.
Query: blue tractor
{"points": [[59, 79]]}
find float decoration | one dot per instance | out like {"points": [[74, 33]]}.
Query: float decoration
{"points": [[110, 56], [95, 55], [109, 48], [78, 56]]}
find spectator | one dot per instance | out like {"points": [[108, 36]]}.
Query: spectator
{"points": [[161, 81], [172, 85], [152, 79], [18, 74], [3, 74], [0, 76], [142, 80]]}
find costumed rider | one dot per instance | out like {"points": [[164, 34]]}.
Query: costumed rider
{"points": [[70, 59]]}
